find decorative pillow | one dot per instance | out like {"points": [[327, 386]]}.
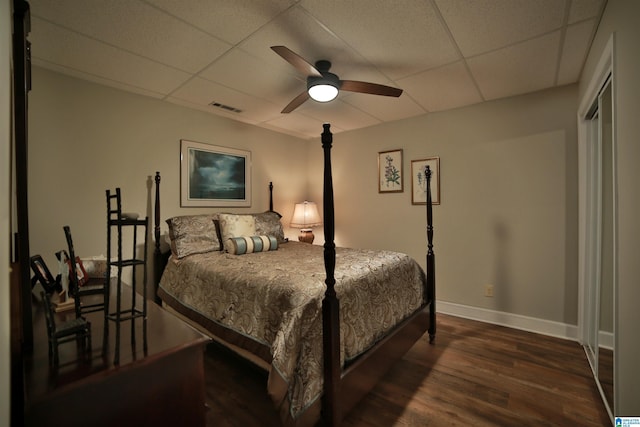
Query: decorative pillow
{"points": [[193, 234], [246, 245], [236, 225], [268, 223]]}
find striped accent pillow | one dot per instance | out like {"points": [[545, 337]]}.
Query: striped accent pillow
{"points": [[248, 244]]}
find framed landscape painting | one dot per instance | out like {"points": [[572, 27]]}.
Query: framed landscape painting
{"points": [[214, 176]]}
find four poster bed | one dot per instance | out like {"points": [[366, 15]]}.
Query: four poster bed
{"points": [[327, 330]]}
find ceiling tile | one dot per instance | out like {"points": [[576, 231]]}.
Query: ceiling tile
{"points": [[584, 9], [210, 110], [526, 67], [95, 79], [301, 33], [385, 108], [301, 125], [53, 44], [248, 74], [137, 28], [398, 40], [338, 113], [480, 26], [229, 20], [574, 51], [203, 92], [443, 88]]}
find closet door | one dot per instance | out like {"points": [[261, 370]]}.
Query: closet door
{"points": [[607, 249], [592, 240], [600, 234]]}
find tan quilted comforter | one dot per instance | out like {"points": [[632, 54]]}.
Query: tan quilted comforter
{"points": [[274, 298]]}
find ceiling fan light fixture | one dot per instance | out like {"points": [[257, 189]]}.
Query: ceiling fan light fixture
{"points": [[323, 86], [322, 92]]}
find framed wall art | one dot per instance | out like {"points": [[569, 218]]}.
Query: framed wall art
{"points": [[419, 184], [214, 176], [390, 173], [42, 274]]}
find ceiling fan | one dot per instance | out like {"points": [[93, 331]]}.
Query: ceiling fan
{"points": [[322, 85]]}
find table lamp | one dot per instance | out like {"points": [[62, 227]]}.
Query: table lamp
{"points": [[305, 216]]}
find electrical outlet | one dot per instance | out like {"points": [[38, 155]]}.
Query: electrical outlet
{"points": [[488, 290]]}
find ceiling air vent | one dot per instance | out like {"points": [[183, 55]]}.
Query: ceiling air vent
{"points": [[225, 107]]}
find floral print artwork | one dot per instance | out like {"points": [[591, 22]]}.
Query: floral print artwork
{"points": [[390, 171]]}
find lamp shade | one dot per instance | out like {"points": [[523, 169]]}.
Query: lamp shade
{"points": [[305, 215]]}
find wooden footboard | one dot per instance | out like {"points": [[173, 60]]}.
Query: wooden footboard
{"points": [[342, 390], [361, 377]]}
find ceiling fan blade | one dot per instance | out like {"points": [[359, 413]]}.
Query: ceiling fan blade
{"points": [[297, 101], [372, 88], [297, 61]]}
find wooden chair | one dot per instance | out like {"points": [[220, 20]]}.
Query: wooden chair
{"points": [[99, 287], [72, 330]]}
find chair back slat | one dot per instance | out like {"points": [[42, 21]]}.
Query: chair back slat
{"points": [[48, 314]]}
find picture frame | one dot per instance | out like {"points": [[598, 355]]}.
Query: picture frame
{"points": [[418, 183], [390, 171], [81, 273], [214, 176], [42, 274]]}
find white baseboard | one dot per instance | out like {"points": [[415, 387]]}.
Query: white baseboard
{"points": [[516, 321], [605, 339]]}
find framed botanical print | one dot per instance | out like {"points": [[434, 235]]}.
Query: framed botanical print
{"points": [[390, 179], [419, 182]]}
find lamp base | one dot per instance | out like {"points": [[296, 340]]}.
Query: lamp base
{"points": [[306, 235]]}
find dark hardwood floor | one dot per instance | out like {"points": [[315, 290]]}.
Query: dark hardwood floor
{"points": [[475, 374]]}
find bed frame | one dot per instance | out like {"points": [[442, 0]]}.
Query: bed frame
{"points": [[343, 388]]}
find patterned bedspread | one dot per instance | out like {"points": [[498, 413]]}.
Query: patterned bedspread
{"points": [[275, 299]]}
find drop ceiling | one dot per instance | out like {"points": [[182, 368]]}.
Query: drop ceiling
{"points": [[444, 54]]}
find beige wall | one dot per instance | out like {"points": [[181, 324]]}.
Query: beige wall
{"points": [[508, 183], [621, 18], [86, 138], [509, 200]]}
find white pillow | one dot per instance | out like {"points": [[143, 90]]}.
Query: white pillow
{"points": [[234, 225]]}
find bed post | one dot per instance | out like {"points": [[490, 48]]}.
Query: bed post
{"points": [[330, 303], [157, 254], [270, 196], [431, 264]]}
